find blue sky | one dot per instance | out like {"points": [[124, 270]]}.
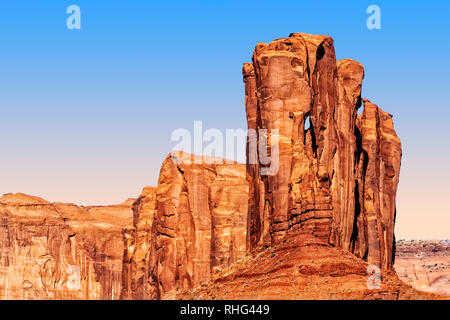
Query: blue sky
{"points": [[86, 115]]}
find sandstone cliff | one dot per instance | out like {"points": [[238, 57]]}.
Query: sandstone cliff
{"points": [[338, 172], [60, 251], [199, 225], [138, 248]]}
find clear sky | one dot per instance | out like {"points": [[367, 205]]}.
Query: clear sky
{"points": [[86, 115]]}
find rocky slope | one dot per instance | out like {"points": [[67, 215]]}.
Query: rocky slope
{"points": [[190, 226], [424, 264], [302, 267], [337, 172], [60, 251]]}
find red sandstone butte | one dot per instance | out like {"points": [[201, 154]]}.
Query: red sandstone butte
{"points": [[199, 225], [338, 172]]}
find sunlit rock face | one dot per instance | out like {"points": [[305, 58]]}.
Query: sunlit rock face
{"points": [[325, 199], [60, 251], [337, 172], [192, 225], [138, 244]]}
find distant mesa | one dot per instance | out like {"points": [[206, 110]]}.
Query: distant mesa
{"points": [[21, 199]]}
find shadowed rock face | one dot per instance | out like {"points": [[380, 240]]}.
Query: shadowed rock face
{"points": [[199, 225], [60, 251], [337, 172], [258, 221], [378, 175]]}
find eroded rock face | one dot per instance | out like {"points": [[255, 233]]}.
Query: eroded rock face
{"points": [[199, 224], [60, 251], [378, 175], [337, 173], [296, 82], [350, 76], [138, 248], [257, 218]]}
